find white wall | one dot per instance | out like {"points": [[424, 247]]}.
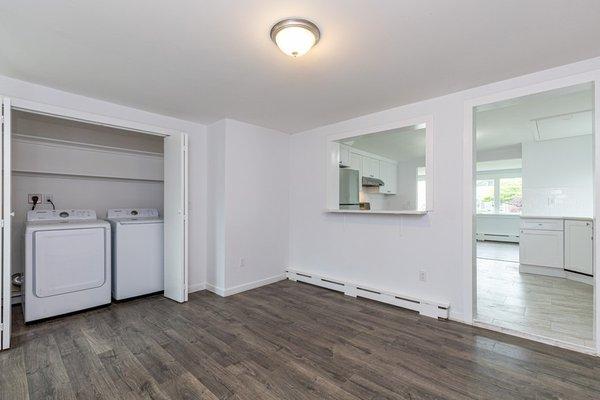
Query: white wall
{"points": [[250, 214], [197, 154], [558, 177], [388, 251], [215, 275]]}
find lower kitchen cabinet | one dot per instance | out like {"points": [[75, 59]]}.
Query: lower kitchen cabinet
{"points": [[540, 247], [579, 240]]}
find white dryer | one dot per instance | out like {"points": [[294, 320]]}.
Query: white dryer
{"points": [[137, 257], [67, 263]]}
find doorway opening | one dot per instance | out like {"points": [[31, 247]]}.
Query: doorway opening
{"points": [[534, 222]]}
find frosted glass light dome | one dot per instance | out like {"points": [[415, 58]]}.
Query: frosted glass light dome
{"points": [[295, 37]]}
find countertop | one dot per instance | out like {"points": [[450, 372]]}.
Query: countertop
{"points": [[556, 217]]}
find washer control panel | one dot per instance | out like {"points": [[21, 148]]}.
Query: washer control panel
{"points": [[61, 215], [132, 213]]}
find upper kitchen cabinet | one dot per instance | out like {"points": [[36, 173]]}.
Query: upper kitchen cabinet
{"points": [[389, 176], [371, 168], [344, 160], [356, 162], [393, 167]]}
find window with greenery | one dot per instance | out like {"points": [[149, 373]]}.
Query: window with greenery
{"points": [[486, 196], [511, 195], [499, 195]]}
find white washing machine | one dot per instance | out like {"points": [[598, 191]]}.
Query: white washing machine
{"points": [[138, 249], [67, 262]]}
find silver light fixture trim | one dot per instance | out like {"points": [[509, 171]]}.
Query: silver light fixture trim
{"points": [[295, 23]]}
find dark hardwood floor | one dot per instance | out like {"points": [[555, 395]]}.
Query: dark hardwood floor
{"points": [[283, 341]]}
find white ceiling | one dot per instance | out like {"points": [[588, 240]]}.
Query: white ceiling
{"points": [[205, 60], [507, 123]]}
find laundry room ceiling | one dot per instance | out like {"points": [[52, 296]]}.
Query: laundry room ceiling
{"points": [[206, 60]]}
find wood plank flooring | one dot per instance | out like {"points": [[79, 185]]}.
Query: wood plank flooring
{"points": [[283, 341]]}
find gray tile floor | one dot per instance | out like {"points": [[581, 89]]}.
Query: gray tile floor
{"points": [[556, 308], [498, 251]]}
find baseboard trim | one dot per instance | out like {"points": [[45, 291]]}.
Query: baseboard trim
{"points": [[246, 286], [196, 287], [427, 307], [215, 289]]}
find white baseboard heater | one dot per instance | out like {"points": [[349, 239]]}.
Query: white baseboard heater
{"points": [[433, 309]]}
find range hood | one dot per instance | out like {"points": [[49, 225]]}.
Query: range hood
{"points": [[372, 182]]}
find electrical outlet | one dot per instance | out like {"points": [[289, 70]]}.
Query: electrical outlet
{"points": [[48, 198], [422, 276], [30, 198], [242, 262]]}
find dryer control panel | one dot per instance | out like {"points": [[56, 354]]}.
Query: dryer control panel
{"points": [[132, 213], [61, 215]]}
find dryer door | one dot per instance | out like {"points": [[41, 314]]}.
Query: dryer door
{"points": [[68, 260]]}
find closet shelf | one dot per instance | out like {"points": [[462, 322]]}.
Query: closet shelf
{"points": [[91, 146]]}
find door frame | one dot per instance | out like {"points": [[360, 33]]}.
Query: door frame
{"points": [[97, 119], [469, 271]]}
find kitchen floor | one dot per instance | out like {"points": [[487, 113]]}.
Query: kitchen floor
{"points": [[556, 308], [502, 251]]}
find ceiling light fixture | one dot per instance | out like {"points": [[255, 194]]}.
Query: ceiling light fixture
{"points": [[294, 36]]}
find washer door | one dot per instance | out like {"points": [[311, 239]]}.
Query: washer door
{"points": [[68, 260]]}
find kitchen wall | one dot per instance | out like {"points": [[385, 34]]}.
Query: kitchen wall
{"points": [[197, 154], [406, 197], [388, 252], [248, 207], [406, 189], [558, 177]]}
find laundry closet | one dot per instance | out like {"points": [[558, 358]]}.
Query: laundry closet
{"points": [[93, 209], [81, 173]]}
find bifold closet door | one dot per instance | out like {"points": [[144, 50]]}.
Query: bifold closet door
{"points": [[6, 226], [176, 217]]}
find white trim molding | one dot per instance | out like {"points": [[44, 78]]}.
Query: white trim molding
{"points": [[244, 287], [427, 307]]}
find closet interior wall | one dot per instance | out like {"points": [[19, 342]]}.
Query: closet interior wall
{"points": [[82, 166]]}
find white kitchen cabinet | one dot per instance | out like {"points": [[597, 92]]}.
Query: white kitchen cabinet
{"points": [[344, 155], [356, 161], [371, 167], [579, 246], [389, 176], [541, 247]]}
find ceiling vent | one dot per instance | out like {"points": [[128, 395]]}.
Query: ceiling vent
{"points": [[563, 125]]}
